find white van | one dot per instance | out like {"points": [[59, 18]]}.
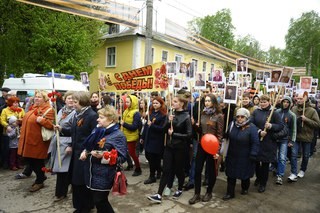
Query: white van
{"points": [[30, 82]]}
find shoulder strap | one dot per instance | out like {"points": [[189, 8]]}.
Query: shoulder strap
{"points": [[46, 112]]}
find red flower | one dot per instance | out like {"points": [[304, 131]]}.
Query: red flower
{"points": [[53, 99], [35, 112], [106, 155], [50, 95]]}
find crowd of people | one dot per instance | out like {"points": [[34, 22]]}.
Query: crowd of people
{"points": [[255, 137]]}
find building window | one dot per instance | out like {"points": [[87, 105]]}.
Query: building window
{"points": [[164, 57], [178, 59], [111, 56], [212, 67], [195, 62], [204, 66]]}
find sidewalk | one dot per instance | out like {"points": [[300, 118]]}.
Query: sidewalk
{"points": [[303, 195]]}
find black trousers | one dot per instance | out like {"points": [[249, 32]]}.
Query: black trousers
{"points": [[262, 172], [4, 151], [232, 184], [100, 200], [36, 166], [201, 158], [62, 184], [173, 164], [82, 198], [154, 163]]}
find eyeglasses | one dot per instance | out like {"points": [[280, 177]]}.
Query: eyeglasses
{"points": [[240, 116]]}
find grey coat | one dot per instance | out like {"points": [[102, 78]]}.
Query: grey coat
{"points": [[64, 141]]}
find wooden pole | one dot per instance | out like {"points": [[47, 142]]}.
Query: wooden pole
{"points": [[56, 121], [272, 110], [228, 113]]}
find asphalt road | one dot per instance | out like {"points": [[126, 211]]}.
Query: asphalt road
{"points": [[302, 196]]}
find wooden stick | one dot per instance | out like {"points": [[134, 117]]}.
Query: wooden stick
{"points": [[305, 96], [199, 101], [56, 121], [242, 91], [272, 110], [228, 113]]}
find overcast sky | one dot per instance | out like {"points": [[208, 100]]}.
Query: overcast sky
{"points": [[266, 20]]}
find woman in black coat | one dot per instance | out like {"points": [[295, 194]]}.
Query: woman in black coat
{"points": [[242, 152], [268, 147], [179, 133], [81, 126], [153, 137]]}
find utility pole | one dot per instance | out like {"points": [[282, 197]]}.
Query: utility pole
{"points": [[148, 42]]}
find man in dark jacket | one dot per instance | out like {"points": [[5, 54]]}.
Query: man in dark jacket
{"points": [[287, 140], [307, 121], [4, 147]]}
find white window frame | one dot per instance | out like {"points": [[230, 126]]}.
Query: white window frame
{"points": [[195, 64], [162, 55], [178, 56], [204, 66], [107, 57]]}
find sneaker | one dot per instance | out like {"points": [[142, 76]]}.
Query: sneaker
{"points": [[279, 180], [177, 194], [292, 178], [21, 176], [167, 191], [301, 174], [155, 198]]}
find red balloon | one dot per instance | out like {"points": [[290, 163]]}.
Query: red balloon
{"points": [[210, 143]]}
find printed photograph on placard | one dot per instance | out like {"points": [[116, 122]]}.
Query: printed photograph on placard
{"points": [[286, 75], [177, 83], [259, 76], [313, 90], [305, 83], [242, 65], [183, 68], [270, 87], [317, 96], [291, 84], [200, 82], [266, 75], [190, 70], [233, 77], [217, 76], [244, 80], [289, 92], [172, 67], [315, 82], [230, 94], [84, 78], [275, 76]]}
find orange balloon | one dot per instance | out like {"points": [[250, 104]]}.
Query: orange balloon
{"points": [[210, 144]]}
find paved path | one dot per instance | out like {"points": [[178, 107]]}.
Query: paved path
{"points": [[302, 196]]}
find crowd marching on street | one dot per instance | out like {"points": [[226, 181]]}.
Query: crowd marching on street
{"points": [[93, 137]]}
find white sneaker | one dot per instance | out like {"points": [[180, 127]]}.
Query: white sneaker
{"points": [[292, 178], [167, 192], [301, 174]]}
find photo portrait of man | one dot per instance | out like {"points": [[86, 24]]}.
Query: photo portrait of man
{"points": [[259, 76], [172, 67], [200, 80], [232, 77], [305, 83], [242, 65], [286, 75], [314, 82], [230, 93], [84, 78], [217, 75], [275, 76]]}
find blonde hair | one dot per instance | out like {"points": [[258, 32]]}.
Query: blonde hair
{"points": [[68, 93], [43, 93], [109, 112]]}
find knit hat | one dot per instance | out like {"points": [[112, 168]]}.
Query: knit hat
{"points": [[244, 112], [12, 119]]}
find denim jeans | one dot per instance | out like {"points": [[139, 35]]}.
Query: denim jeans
{"points": [[282, 155], [305, 156], [193, 161]]}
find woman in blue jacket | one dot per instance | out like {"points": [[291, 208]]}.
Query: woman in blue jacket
{"points": [[100, 170], [242, 152], [153, 137]]}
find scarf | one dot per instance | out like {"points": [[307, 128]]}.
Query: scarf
{"points": [[65, 112], [242, 124], [82, 111], [209, 110]]}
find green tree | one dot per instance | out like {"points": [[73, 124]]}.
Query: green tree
{"points": [[249, 46], [33, 39], [303, 42], [217, 28], [275, 56]]}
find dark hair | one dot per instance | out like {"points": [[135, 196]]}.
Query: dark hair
{"points": [[154, 93], [214, 102], [184, 98], [163, 108], [83, 98]]}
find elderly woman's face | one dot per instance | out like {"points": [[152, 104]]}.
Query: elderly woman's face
{"points": [[69, 101], [241, 119], [104, 121], [38, 99]]}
